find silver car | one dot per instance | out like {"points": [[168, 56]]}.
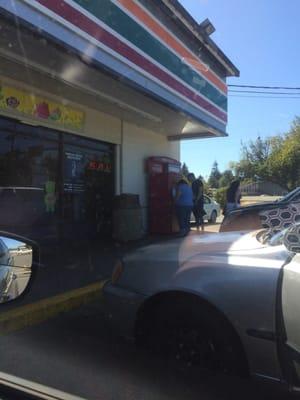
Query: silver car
{"points": [[230, 301]]}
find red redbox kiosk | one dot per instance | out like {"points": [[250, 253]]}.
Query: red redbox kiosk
{"points": [[163, 173]]}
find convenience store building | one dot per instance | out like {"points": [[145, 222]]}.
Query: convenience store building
{"points": [[91, 89]]}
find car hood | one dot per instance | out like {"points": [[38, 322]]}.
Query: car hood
{"points": [[180, 250], [201, 260]]}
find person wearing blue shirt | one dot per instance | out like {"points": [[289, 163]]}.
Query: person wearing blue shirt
{"points": [[183, 205]]}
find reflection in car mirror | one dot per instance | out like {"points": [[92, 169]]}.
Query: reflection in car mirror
{"points": [[292, 238], [16, 259]]}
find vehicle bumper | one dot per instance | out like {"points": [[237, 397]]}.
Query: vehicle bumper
{"points": [[121, 307]]}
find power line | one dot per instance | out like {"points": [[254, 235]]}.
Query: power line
{"points": [[266, 87], [265, 97], [264, 92]]}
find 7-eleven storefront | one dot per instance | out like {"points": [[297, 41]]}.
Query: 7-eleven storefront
{"points": [[89, 90]]}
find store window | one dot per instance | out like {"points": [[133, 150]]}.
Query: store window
{"points": [[29, 165], [54, 185]]}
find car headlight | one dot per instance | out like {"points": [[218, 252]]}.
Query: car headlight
{"points": [[117, 272]]}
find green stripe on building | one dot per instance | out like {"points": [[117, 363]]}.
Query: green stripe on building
{"points": [[120, 22]]}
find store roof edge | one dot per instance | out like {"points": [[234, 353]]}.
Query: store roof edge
{"points": [[192, 25]]}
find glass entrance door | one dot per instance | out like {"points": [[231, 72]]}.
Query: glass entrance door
{"points": [[88, 188]]}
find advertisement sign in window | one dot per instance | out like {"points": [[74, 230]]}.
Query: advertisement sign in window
{"points": [[74, 166], [20, 102]]}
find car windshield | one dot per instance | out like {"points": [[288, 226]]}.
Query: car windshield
{"points": [[143, 144]]}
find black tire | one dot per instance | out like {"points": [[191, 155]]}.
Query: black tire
{"points": [[193, 335], [213, 217]]}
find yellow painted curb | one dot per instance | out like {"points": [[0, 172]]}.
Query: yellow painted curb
{"points": [[42, 310]]}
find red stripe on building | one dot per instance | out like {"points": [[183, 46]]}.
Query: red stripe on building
{"points": [[174, 44], [87, 25]]}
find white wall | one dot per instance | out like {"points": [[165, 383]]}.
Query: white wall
{"points": [[102, 126], [138, 145]]}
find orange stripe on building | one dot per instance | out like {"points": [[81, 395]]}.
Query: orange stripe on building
{"points": [[165, 36]]}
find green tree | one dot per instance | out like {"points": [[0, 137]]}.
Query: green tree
{"points": [[243, 169], [184, 170], [254, 155], [220, 196], [284, 162], [215, 175], [276, 159], [226, 178]]}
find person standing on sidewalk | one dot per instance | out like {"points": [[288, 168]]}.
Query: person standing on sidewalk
{"points": [[198, 200], [183, 205], [233, 197]]}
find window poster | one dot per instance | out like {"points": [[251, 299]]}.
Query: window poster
{"points": [[74, 172]]}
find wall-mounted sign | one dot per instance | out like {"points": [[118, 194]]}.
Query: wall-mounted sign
{"points": [[20, 102]]}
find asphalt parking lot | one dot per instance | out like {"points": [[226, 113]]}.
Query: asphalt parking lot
{"points": [[76, 352]]}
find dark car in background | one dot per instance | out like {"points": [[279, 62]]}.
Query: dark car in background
{"points": [[248, 218]]}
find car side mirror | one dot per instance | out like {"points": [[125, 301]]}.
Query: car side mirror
{"points": [[291, 238], [16, 260]]}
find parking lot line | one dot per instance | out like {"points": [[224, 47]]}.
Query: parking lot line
{"points": [[39, 311]]}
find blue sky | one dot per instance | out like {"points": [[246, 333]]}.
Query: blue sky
{"points": [[262, 38]]}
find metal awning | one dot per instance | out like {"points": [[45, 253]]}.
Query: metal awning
{"points": [[194, 130]]}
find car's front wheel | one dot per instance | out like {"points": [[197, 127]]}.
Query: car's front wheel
{"points": [[193, 335]]}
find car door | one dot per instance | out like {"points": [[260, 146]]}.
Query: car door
{"points": [[289, 323], [207, 206]]}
